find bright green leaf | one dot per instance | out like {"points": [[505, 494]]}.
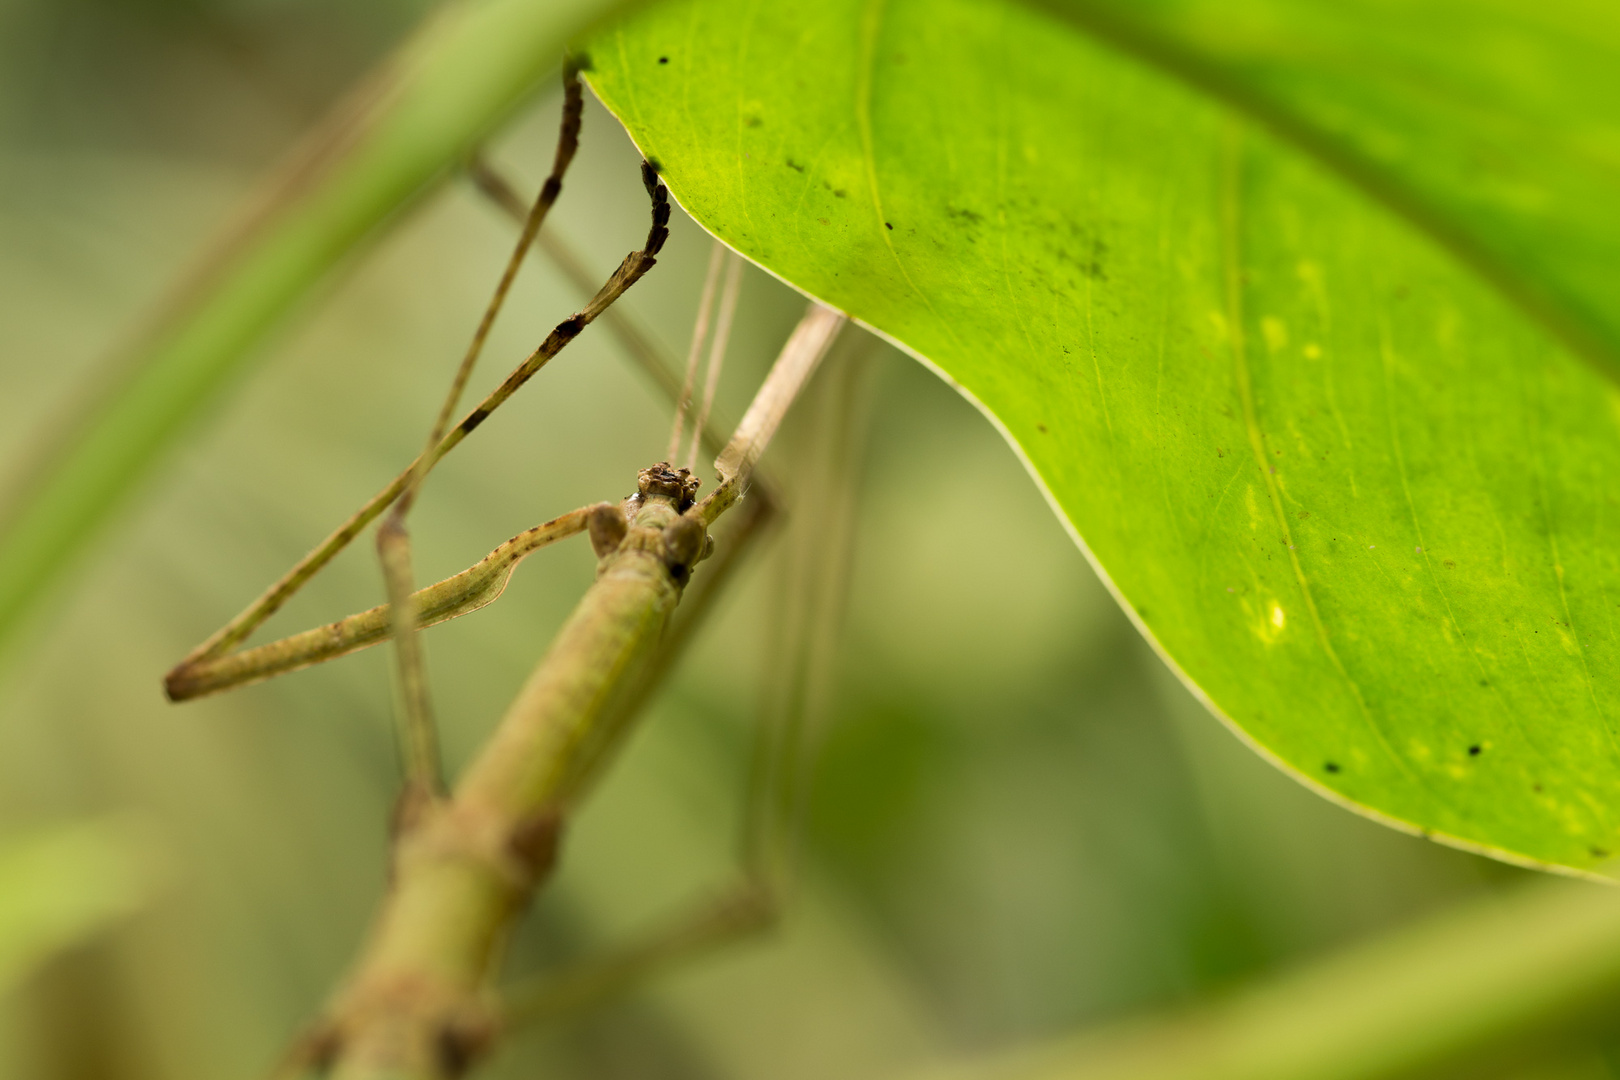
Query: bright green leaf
{"points": [[1361, 502], [1493, 124], [60, 885]]}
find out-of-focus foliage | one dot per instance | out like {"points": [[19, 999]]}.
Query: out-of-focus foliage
{"points": [[1361, 500], [59, 885], [1021, 822]]}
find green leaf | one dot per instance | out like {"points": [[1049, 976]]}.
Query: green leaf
{"points": [[1357, 498], [378, 152], [1493, 125], [61, 884]]}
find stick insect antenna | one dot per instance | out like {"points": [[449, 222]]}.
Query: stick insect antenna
{"points": [[567, 146], [639, 345], [717, 354], [797, 362], [700, 330]]}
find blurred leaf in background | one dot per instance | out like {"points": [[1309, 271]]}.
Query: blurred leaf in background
{"points": [[59, 885]]}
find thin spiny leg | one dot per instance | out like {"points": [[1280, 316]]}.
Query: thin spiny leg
{"points": [[478, 586], [419, 734], [816, 581], [567, 146], [634, 265], [720, 920], [638, 344]]}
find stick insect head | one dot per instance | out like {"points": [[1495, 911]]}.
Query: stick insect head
{"points": [[658, 522], [677, 485]]}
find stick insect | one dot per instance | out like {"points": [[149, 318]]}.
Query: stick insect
{"points": [[466, 858]]}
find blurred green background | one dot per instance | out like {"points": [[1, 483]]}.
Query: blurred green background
{"points": [[1021, 822]]}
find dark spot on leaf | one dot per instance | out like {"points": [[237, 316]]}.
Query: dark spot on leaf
{"points": [[886, 225], [1598, 853], [1535, 788], [1041, 428], [794, 165], [663, 59], [1484, 682], [840, 193], [1473, 751], [1332, 766]]}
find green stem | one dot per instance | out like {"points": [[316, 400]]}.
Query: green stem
{"points": [[381, 150], [1463, 993]]}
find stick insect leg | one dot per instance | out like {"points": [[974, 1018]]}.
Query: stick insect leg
{"points": [[815, 572], [418, 734], [219, 646], [477, 586], [637, 342]]}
